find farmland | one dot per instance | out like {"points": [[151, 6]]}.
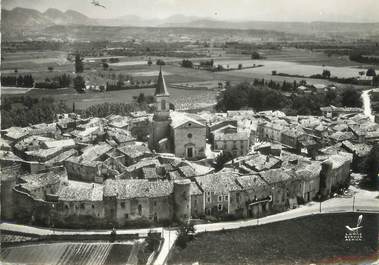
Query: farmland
{"points": [[314, 239], [287, 61], [68, 253]]}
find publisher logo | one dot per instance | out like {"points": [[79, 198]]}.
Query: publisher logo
{"points": [[353, 233]]}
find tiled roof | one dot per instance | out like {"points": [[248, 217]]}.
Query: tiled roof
{"points": [[219, 182], [252, 182], [35, 181], [195, 190], [147, 162], [275, 176], [137, 188], [80, 191], [187, 171], [261, 162], [134, 151], [93, 152], [180, 118], [238, 136]]}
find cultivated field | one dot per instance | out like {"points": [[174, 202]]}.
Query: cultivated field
{"points": [[289, 61], [307, 240], [68, 253], [182, 99]]}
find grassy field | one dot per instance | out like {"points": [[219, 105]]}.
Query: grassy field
{"points": [[314, 239], [68, 253]]}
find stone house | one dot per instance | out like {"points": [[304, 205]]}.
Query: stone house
{"points": [[221, 194], [237, 143], [335, 173], [138, 200], [257, 195], [283, 188], [197, 201], [79, 203]]}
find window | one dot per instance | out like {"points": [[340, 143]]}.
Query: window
{"points": [[155, 203], [208, 211], [122, 204], [93, 206], [189, 124], [190, 152], [219, 198], [209, 199], [126, 216], [66, 206], [208, 193], [189, 135], [82, 206], [219, 207], [139, 209], [226, 198], [195, 202]]}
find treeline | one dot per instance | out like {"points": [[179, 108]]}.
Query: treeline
{"points": [[25, 110], [19, 81], [60, 81], [130, 85], [261, 97], [55, 82], [283, 86], [358, 57]]}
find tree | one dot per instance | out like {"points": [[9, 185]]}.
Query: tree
{"points": [[152, 240], [371, 72], [50, 68], [221, 159], [273, 72], [79, 83], [185, 235], [326, 74], [149, 62], [187, 63], [255, 56], [160, 62], [78, 64], [105, 66], [351, 98], [240, 66]]}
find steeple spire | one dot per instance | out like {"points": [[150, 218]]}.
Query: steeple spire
{"points": [[161, 89]]}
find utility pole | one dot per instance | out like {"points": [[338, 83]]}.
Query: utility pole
{"points": [[353, 202]]}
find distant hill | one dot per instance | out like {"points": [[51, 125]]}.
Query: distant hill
{"points": [[18, 21]]}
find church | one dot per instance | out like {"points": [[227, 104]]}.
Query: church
{"points": [[180, 133]]}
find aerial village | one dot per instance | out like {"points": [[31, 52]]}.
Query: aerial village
{"points": [[93, 172]]}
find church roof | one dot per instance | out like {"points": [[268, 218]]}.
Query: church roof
{"points": [[161, 89]]}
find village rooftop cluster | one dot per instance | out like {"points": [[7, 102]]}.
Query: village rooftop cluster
{"points": [[84, 172]]}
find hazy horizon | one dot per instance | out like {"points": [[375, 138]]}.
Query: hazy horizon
{"points": [[356, 11]]}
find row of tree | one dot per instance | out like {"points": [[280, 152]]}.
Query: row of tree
{"points": [[19, 81]]}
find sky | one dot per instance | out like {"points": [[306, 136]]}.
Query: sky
{"points": [[264, 10]]}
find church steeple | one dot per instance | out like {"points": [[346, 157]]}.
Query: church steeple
{"points": [[161, 89]]}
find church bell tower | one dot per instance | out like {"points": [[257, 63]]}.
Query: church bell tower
{"points": [[161, 120]]}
